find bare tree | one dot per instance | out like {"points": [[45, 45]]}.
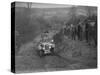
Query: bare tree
{"points": [[29, 4]]}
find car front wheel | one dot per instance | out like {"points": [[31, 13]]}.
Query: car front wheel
{"points": [[41, 53]]}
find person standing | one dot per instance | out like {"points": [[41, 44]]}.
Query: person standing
{"points": [[72, 32], [87, 32], [79, 32]]}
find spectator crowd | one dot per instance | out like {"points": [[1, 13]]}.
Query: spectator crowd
{"points": [[83, 30]]}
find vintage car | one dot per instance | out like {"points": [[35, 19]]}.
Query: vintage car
{"points": [[46, 47]]}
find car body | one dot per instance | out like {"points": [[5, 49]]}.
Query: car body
{"points": [[46, 47]]}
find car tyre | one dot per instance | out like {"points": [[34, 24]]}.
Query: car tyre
{"points": [[41, 53]]}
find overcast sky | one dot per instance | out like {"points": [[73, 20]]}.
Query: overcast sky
{"points": [[41, 5]]}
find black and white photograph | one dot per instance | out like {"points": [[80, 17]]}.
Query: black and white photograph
{"points": [[53, 37]]}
